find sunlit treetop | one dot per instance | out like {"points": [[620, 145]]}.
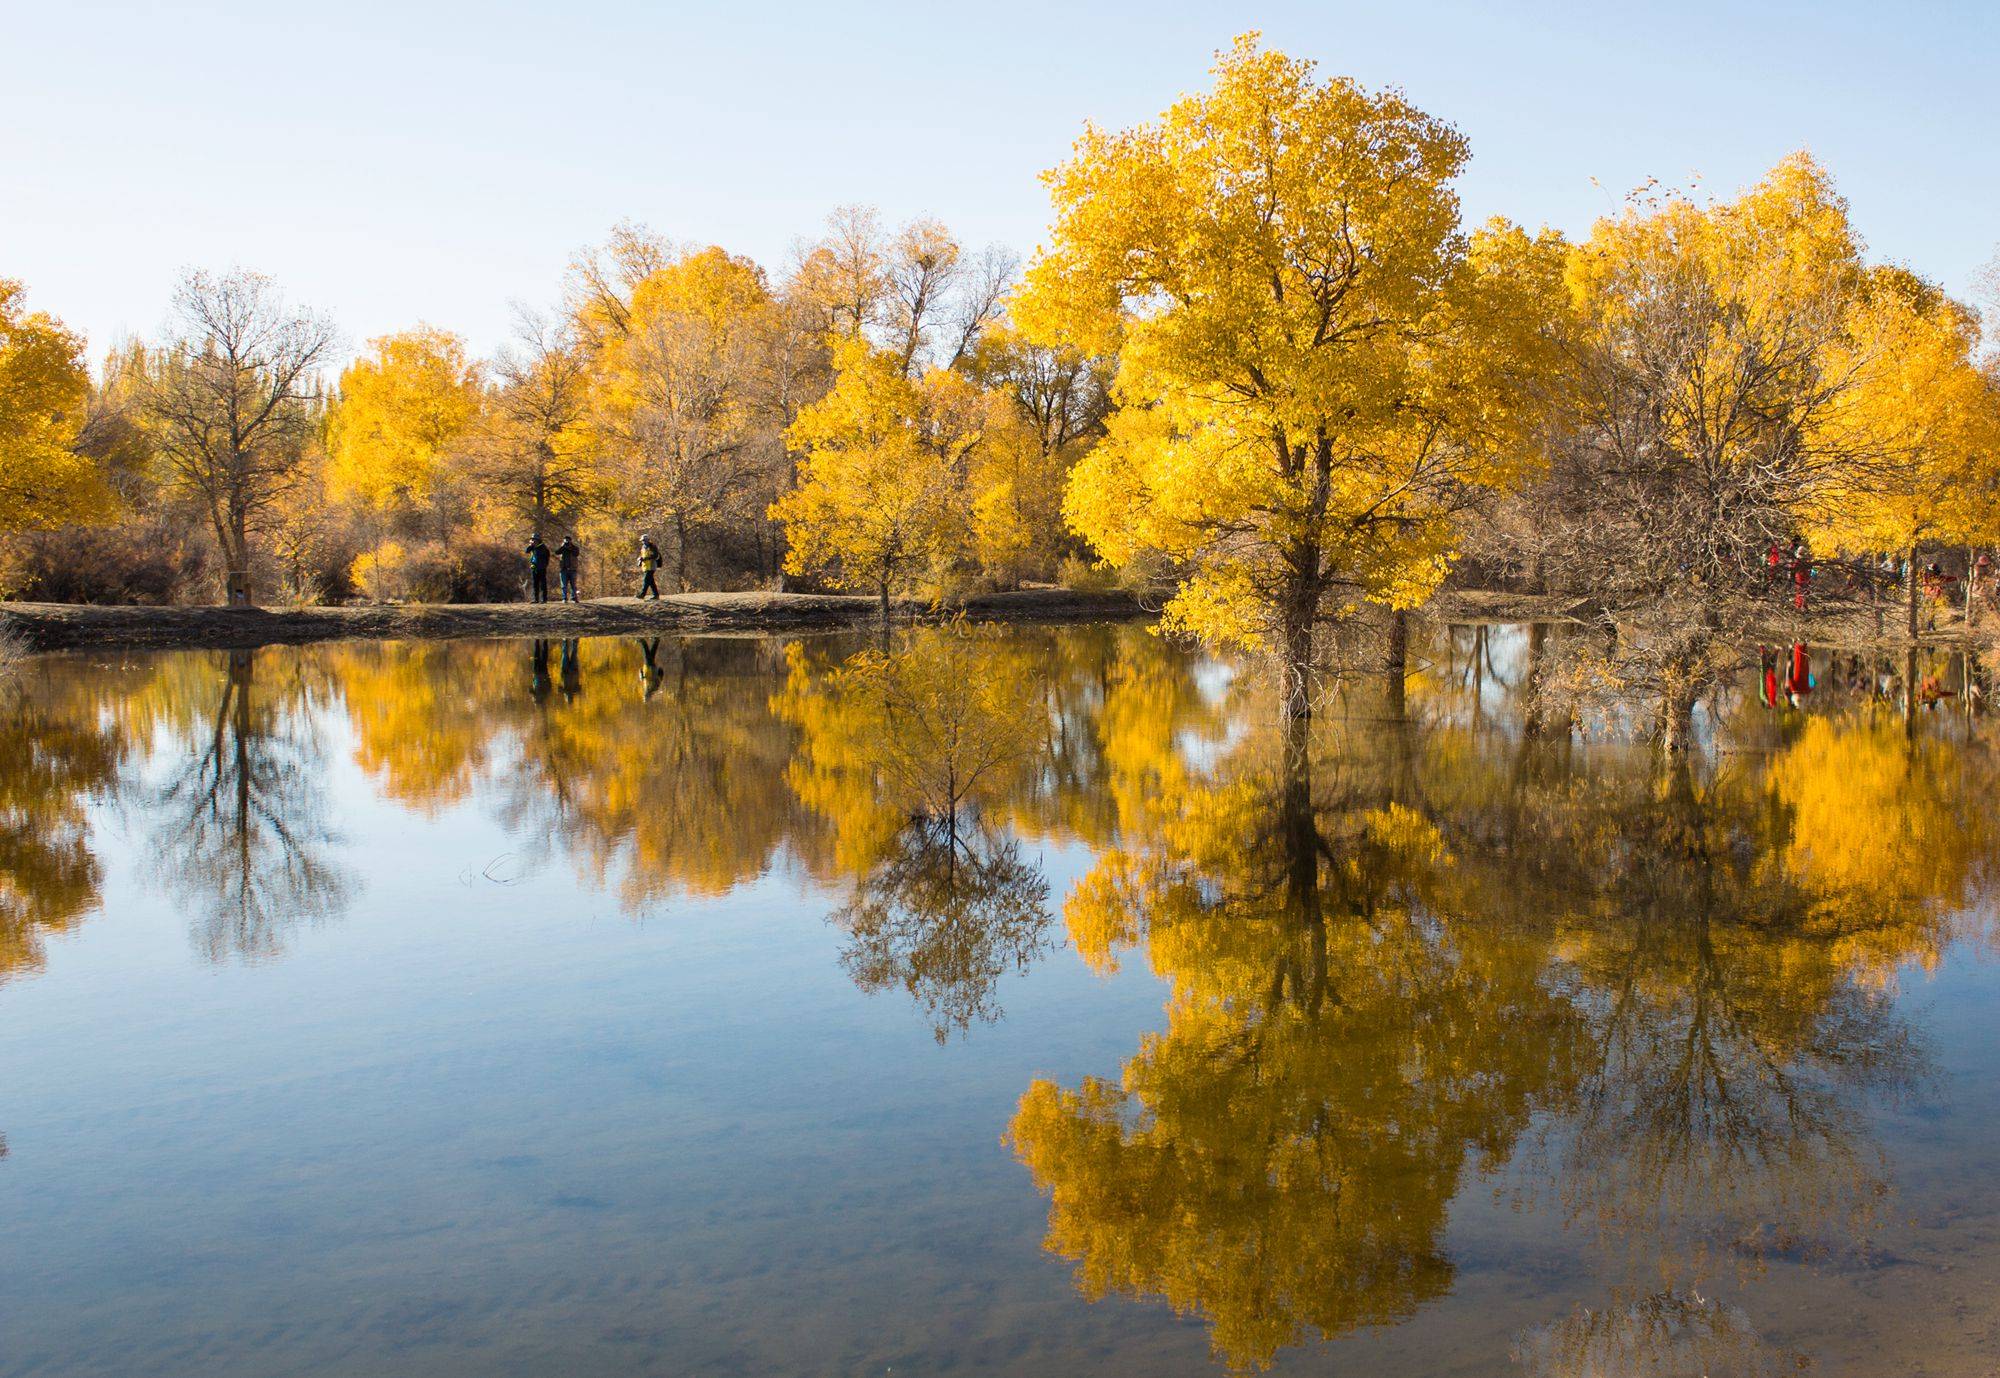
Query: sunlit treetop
{"points": [[403, 406], [1315, 361]]}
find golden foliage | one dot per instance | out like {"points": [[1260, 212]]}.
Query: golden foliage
{"points": [[1314, 363], [44, 481], [403, 408]]}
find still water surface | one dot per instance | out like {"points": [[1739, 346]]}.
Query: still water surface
{"points": [[1017, 1003]]}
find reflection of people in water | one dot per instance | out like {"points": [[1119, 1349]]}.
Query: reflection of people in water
{"points": [[1799, 679], [538, 671], [1767, 674], [572, 671], [650, 674]]}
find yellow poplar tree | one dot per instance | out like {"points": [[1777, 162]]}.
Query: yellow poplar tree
{"points": [[403, 406], [1927, 417], [1017, 488], [679, 397], [44, 385], [880, 501], [1313, 360]]}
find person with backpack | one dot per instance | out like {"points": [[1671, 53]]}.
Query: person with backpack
{"points": [[649, 566], [567, 554], [538, 569]]}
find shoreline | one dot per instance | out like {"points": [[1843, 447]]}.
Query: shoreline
{"points": [[81, 626], [75, 626]]}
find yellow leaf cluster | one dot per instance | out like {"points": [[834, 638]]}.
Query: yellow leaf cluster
{"points": [[402, 408], [44, 482]]}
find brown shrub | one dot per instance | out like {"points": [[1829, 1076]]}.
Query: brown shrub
{"points": [[149, 563]]}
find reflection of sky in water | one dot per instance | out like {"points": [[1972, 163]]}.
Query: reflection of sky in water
{"points": [[548, 1091]]}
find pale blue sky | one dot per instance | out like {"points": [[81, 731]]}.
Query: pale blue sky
{"points": [[392, 163]]}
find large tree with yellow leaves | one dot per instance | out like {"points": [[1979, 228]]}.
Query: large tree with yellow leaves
{"points": [[1315, 361]]}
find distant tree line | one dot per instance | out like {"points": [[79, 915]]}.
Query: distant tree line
{"points": [[867, 419]]}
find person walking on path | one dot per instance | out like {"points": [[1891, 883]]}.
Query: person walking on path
{"points": [[566, 557], [538, 569], [649, 566]]}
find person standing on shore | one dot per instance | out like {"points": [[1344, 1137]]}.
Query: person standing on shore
{"points": [[538, 569], [566, 558], [649, 566]]}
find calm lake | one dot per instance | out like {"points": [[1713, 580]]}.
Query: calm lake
{"points": [[1024, 1002]]}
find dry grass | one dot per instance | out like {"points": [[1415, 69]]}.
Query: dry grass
{"points": [[13, 654]]}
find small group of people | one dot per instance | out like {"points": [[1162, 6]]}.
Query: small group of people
{"points": [[1795, 558], [1786, 677], [1791, 563], [568, 556]]}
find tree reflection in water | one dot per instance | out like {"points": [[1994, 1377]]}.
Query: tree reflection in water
{"points": [[240, 828], [1280, 1159], [1395, 951], [1666, 1335], [945, 915], [908, 755], [1398, 946], [59, 751]]}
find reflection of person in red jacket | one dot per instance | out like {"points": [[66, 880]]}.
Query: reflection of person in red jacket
{"points": [[1799, 677], [1767, 676]]}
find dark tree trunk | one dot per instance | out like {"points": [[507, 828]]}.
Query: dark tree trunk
{"points": [[1910, 586], [1398, 667]]}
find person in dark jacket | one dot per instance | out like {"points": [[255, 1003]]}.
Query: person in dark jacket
{"points": [[566, 557], [538, 569], [649, 566]]}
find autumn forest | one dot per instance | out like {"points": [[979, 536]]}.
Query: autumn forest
{"points": [[1261, 373]]}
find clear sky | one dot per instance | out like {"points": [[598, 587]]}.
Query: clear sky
{"points": [[418, 161]]}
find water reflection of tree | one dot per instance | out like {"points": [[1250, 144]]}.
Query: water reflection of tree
{"points": [[910, 756], [1385, 962], [1741, 1010], [241, 832], [1733, 932], [680, 790], [945, 915], [654, 764], [1667, 1334], [1281, 1158], [59, 750]]}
